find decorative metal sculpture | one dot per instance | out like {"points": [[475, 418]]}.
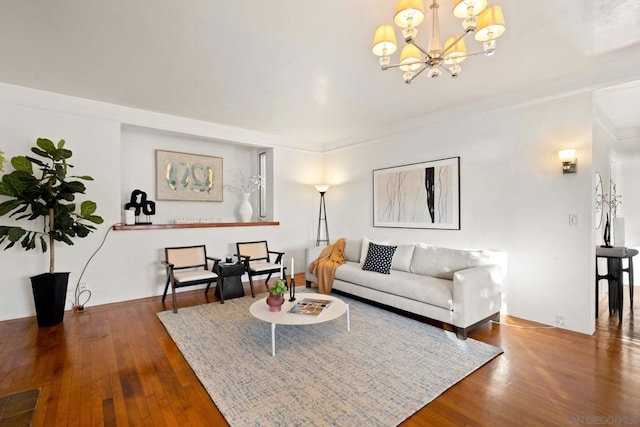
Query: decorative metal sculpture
{"points": [[139, 202], [607, 234]]}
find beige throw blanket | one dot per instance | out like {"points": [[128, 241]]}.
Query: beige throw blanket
{"points": [[324, 267]]}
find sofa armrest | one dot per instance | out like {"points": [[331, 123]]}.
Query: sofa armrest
{"points": [[310, 254], [477, 294]]}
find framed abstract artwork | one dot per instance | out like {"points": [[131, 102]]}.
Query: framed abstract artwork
{"points": [[188, 177], [419, 195]]}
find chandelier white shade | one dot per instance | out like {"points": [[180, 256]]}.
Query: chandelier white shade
{"points": [[487, 22], [409, 13], [466, 8], [384, 41]]}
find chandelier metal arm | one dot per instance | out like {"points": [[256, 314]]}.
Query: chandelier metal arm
{"points": [[413, 42], [386, 67], [416, 74], [460, 37], [482, 52]]}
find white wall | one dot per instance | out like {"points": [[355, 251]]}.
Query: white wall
{"points": [[96, 152], [514, 198], [138, 172], [628, 187], [128, 265]]}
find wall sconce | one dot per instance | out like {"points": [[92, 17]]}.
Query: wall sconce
{"points": [[569, 161]]}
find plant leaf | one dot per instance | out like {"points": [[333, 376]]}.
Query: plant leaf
{"points": [[87, 208], [8, 206], [4, 190], [21, 163], [39, 152], [37, 161], [62, 153], [94, 219], [15, 233], [46, 145], [82, 231]]}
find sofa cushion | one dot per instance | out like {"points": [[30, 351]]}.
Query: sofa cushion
{"points": [[444, 262], [379, 258], [402, 258], [365, 247], [352, 250], [426, 289]]}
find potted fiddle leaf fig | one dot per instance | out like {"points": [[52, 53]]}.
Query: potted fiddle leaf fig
{"points": [[41, 190]]}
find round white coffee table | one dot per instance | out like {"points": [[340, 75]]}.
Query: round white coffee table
{"points": [[260, 310]]}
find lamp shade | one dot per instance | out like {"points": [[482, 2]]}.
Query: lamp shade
{"points": [[457, 53], [490, 24], [410, 58], [409, 13], [322, 188], [461, 7], [384, 41], [567, 155]]}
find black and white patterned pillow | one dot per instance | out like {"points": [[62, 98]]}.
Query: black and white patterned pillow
{"points": [[379, 258]]}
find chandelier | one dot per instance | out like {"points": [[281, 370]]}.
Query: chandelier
{"points": [[486, 22]]}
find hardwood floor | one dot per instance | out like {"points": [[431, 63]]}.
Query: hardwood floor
{"points": [[115, 365]]}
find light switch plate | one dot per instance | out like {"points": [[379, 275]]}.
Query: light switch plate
{"points": [[574, 220]]}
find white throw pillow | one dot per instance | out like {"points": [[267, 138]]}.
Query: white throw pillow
{"points": [[365, 247], [402, 258], [444, 262], [352, 250]]}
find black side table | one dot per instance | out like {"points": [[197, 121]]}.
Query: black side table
{"points": [[614, 256], [229, 280]]}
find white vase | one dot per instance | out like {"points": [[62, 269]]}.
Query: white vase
{"points": [[618, 231], [245, 210]]}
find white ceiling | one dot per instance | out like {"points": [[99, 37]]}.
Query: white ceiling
{"points": [[304, 70]]}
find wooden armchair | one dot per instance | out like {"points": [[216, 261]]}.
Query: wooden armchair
{"points": [[257, 260], [187, 266]]}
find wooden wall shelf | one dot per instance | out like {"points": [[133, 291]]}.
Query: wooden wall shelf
{"points": [[122, 227]]}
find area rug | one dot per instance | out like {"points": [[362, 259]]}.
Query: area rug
{"points": [[379, 374]]}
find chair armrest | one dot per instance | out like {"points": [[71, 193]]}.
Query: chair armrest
{"points": [[245, 260], [476, 294], [215, 261], [280, 255], [169, 269]]}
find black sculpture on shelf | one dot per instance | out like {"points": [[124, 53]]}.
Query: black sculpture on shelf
{"points": [[139, 202], [607, 234]]}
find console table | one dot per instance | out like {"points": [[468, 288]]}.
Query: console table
{"points": [[615, 270]]}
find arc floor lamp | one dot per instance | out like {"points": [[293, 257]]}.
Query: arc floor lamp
{"points": [[322, 216]]}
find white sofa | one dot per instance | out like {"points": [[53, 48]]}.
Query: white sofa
{"points": [[459, 287]]}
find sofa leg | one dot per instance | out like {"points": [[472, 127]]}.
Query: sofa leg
{"points": [[308, 283], [461, 333]]}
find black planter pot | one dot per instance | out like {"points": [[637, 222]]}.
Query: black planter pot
{"points": [[50, 296]]}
